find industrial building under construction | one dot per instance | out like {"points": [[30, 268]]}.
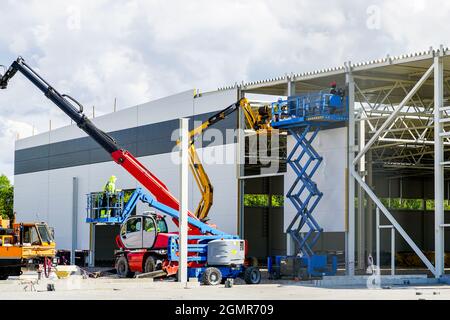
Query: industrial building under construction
{"points": [[323, 174]]}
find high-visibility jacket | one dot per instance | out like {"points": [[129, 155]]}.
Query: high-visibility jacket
{"points": [[110, 186]]}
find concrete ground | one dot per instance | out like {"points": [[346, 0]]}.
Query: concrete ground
{"points": [[75, 287]]}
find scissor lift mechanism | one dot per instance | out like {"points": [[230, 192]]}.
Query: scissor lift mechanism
{"points": [[303, 117]]}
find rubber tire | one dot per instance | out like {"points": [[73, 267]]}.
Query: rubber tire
{"points": [[3, 277], [252, 275], [122, 268], [149, 265], [212, 276]]}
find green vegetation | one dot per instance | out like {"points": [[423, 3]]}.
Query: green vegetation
{"points": [[262, 200], [277, 201], [409, 204], [6, 197]]}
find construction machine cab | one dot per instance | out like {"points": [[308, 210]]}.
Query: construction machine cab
{"points": [[34, 234], [141, 231]]}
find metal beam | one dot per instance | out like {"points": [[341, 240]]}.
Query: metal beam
{"points": [[392, 220], [394, 114], [438, 167], [361, 258], [351, 148], [183, 225], [405, 79], [290, 87], [74, 219]]}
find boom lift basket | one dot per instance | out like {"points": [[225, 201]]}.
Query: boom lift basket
{"points": [[105, 207]]}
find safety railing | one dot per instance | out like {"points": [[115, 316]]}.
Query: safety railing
{"points": [[330, 106], [105, 207]]}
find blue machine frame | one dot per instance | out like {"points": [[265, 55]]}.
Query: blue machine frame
{"points": [[302, 115], [123, 211]]}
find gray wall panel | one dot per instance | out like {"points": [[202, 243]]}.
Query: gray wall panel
{"points": [[98, 155], [33, 165], [141, 141], [32, 153], [68, 159]]}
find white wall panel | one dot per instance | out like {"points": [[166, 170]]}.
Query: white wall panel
{"points": [[60, 207], [222, 175], [214, 101], [168, 108], [33, 141], [31, 196], [330, 179]]}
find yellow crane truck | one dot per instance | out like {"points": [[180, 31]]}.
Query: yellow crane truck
{"points": [[26, 245]]}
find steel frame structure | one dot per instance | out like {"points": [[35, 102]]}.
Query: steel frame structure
{"points": [[402, 136], [396, 105]]}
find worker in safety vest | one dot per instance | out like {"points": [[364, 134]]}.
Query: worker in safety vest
{"points": [[109, 191], [333, 86], [110, 186]]}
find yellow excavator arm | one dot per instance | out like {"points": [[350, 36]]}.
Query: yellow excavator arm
{"points": [[257, 120]]}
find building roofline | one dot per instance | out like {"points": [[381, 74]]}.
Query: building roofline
{"points": [[355, 67]]}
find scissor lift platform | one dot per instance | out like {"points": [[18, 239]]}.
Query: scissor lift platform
{"points": [[316, 109], [304, 116]]}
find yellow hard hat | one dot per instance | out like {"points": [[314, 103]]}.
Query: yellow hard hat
{"points": [[112, 178]]}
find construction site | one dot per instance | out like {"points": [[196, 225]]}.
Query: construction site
{"points": [[327, 184]]}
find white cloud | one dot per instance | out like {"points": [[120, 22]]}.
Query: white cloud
{"points": [[136, 50]]}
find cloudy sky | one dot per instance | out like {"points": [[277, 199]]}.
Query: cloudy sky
{"points": [[136, 51]]}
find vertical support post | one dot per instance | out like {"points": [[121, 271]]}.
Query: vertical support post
{"points": [[392, 250], [361, 194], [369, 212], [290, 245], [438, 167], [290, 87], [184, 146], [74, 219], [92, 245], [378, 238], [350, 234], [240, 161]]}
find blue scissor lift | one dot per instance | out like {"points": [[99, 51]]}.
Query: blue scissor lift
{"points": [[303, 117]]}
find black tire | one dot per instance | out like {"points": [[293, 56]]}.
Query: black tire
{"points": [[252, 275], [149, 265], [122, 268], [212, 276], [3, 277]]}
